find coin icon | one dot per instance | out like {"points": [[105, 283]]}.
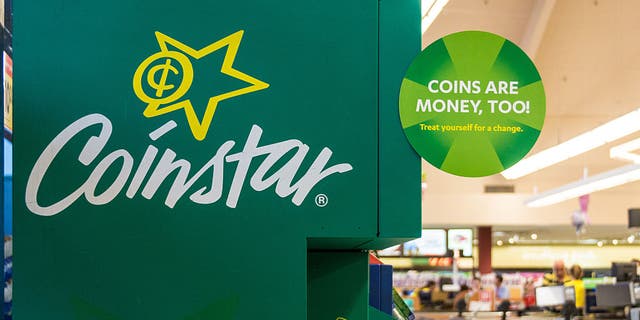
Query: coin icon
{"points": [[158, 68]]}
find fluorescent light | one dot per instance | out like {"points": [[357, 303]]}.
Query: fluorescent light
{"points": [[624, 151], [430, 11], [588, 185], [426, 5], [610, 131]]}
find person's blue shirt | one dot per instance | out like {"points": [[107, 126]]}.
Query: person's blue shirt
{"points": [[502, 293], [409, 303]]}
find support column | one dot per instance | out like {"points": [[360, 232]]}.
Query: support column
{"points": [[484, 249]]}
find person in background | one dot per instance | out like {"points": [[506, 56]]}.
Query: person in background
{"points": [[423, 295], [558, 277], [408, 300], [501, 298], [576, 274], [461, 300], [529, 296], [474, 290], [501, 291], [637, 262]]}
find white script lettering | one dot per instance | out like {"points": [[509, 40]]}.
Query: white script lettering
{"points": [[208, 193]]}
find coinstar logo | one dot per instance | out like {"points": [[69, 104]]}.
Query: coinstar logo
{"points": [[164, 97], [202, 185]]}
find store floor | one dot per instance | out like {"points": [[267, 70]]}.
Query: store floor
{"points": [[488, 315]]}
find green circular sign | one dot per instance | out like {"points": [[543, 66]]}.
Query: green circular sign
{"points": [[472, 104]]}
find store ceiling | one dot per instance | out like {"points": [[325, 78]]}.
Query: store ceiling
{"points": [[589, 58]]}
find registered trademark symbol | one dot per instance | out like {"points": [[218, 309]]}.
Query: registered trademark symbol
{"points": [[322, 200]]}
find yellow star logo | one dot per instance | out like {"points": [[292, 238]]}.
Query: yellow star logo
{"points": [[164, 98]]}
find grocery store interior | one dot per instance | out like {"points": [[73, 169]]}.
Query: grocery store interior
{"points": [[570, 200], [558, 234]]}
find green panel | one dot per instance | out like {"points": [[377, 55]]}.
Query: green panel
{"points": [[375, 314], [290, 75], [138, 258], [383, 243], [338, 285], [399, 199], [338, 243]]}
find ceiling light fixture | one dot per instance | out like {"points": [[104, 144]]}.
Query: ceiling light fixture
{"points": [[534, 236], [615, 242], [512, 241], [430, 11], [499, 243], [610, 131], [624, 151], [631, 239], [588, 185], [600, 244]]}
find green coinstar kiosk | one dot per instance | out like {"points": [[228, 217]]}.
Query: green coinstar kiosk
{"points": [[209, 159]]}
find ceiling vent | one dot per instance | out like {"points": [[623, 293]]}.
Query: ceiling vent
{"points": [[499, 188]]}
